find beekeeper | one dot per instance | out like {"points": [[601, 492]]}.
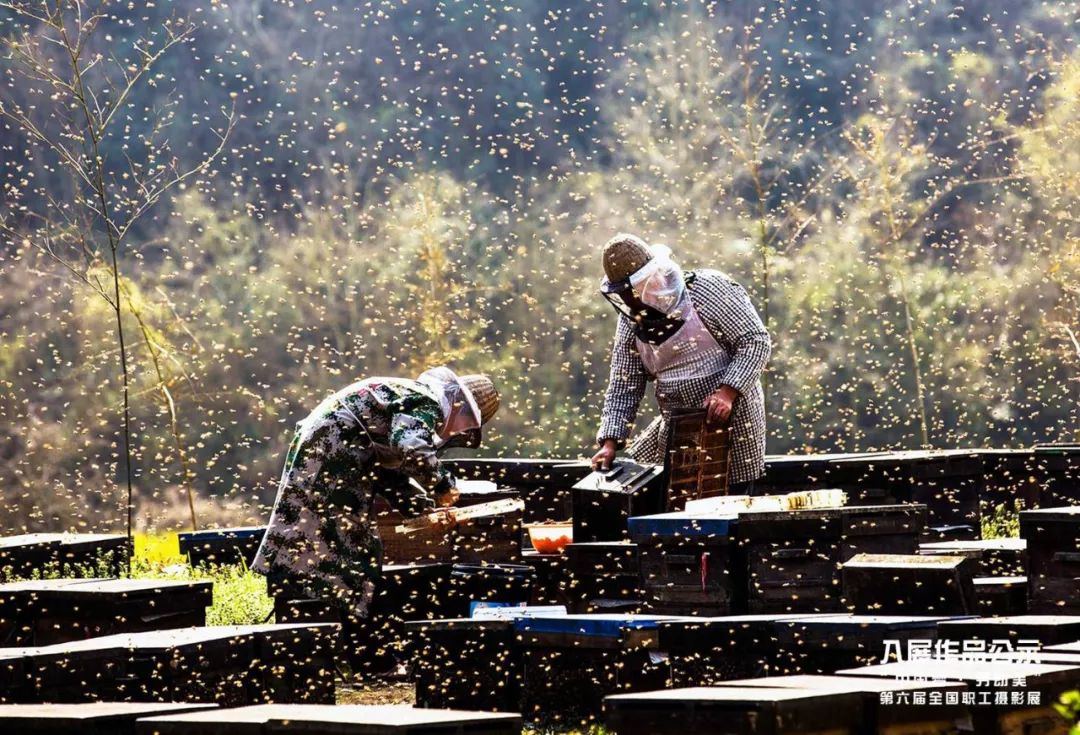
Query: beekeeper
{"points": [[698, 337], [376, 436]]}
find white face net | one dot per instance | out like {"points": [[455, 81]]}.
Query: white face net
{"points": [[659, 283], [460, 413]]}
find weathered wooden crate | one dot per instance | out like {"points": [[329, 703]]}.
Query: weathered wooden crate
{"points": [[688, 564], [1036, 630], [988, 681], [903, 584], [221, 545], [889, 707], [467, 664], [572, 662], [90, 718], [998, 596], [1057, 467], [344, 719], [66, 554], [825, 644], [998, 557], [698, 458], [224, 664], [603, 574], [704, 651], [1053, 558], [735, 711], [604, 501], [43, 612]]}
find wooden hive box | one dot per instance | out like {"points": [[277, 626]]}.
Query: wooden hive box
{"points": [[735, 711], [949, 482], [1010, 475], [604, 501], [889, 707], [13, 678], [68, 554], [1039, 630], [544, 484], [791, 560], [821, 645], [998, 557], [553, 583], [499, 583], [375, 644], [1057, 469], [986, 683], [91, 718], [345, 719], [880, 529], [1001, 596], [467, 664], [248, 720], [785, 473], [222, 664], [1053, 559], [572, 661], [704, 651], [688, 564], [602, 574], [899, 584], [222, 545], [44, 612]]}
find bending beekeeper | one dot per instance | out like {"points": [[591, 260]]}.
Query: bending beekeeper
{"points": [[379, 435], [698, 337]]}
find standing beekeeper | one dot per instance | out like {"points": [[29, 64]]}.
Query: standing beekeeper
{"points": [[699, 338], [379, 435]]}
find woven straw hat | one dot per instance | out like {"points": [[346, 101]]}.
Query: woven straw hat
{"points": [[484, 393], [624, 254]]}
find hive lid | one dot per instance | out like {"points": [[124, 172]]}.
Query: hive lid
{"points": [[681, 524], [599, 626], [955, 669]]}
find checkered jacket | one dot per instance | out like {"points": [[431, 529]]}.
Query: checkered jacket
{"points": [[726, 311]]}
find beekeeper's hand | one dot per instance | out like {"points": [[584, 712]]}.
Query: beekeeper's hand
{"points": [[605, 457], [720, 404], [445, 519], [449, 498]]}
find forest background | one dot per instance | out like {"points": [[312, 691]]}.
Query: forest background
{"points": [[362, 189]]}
